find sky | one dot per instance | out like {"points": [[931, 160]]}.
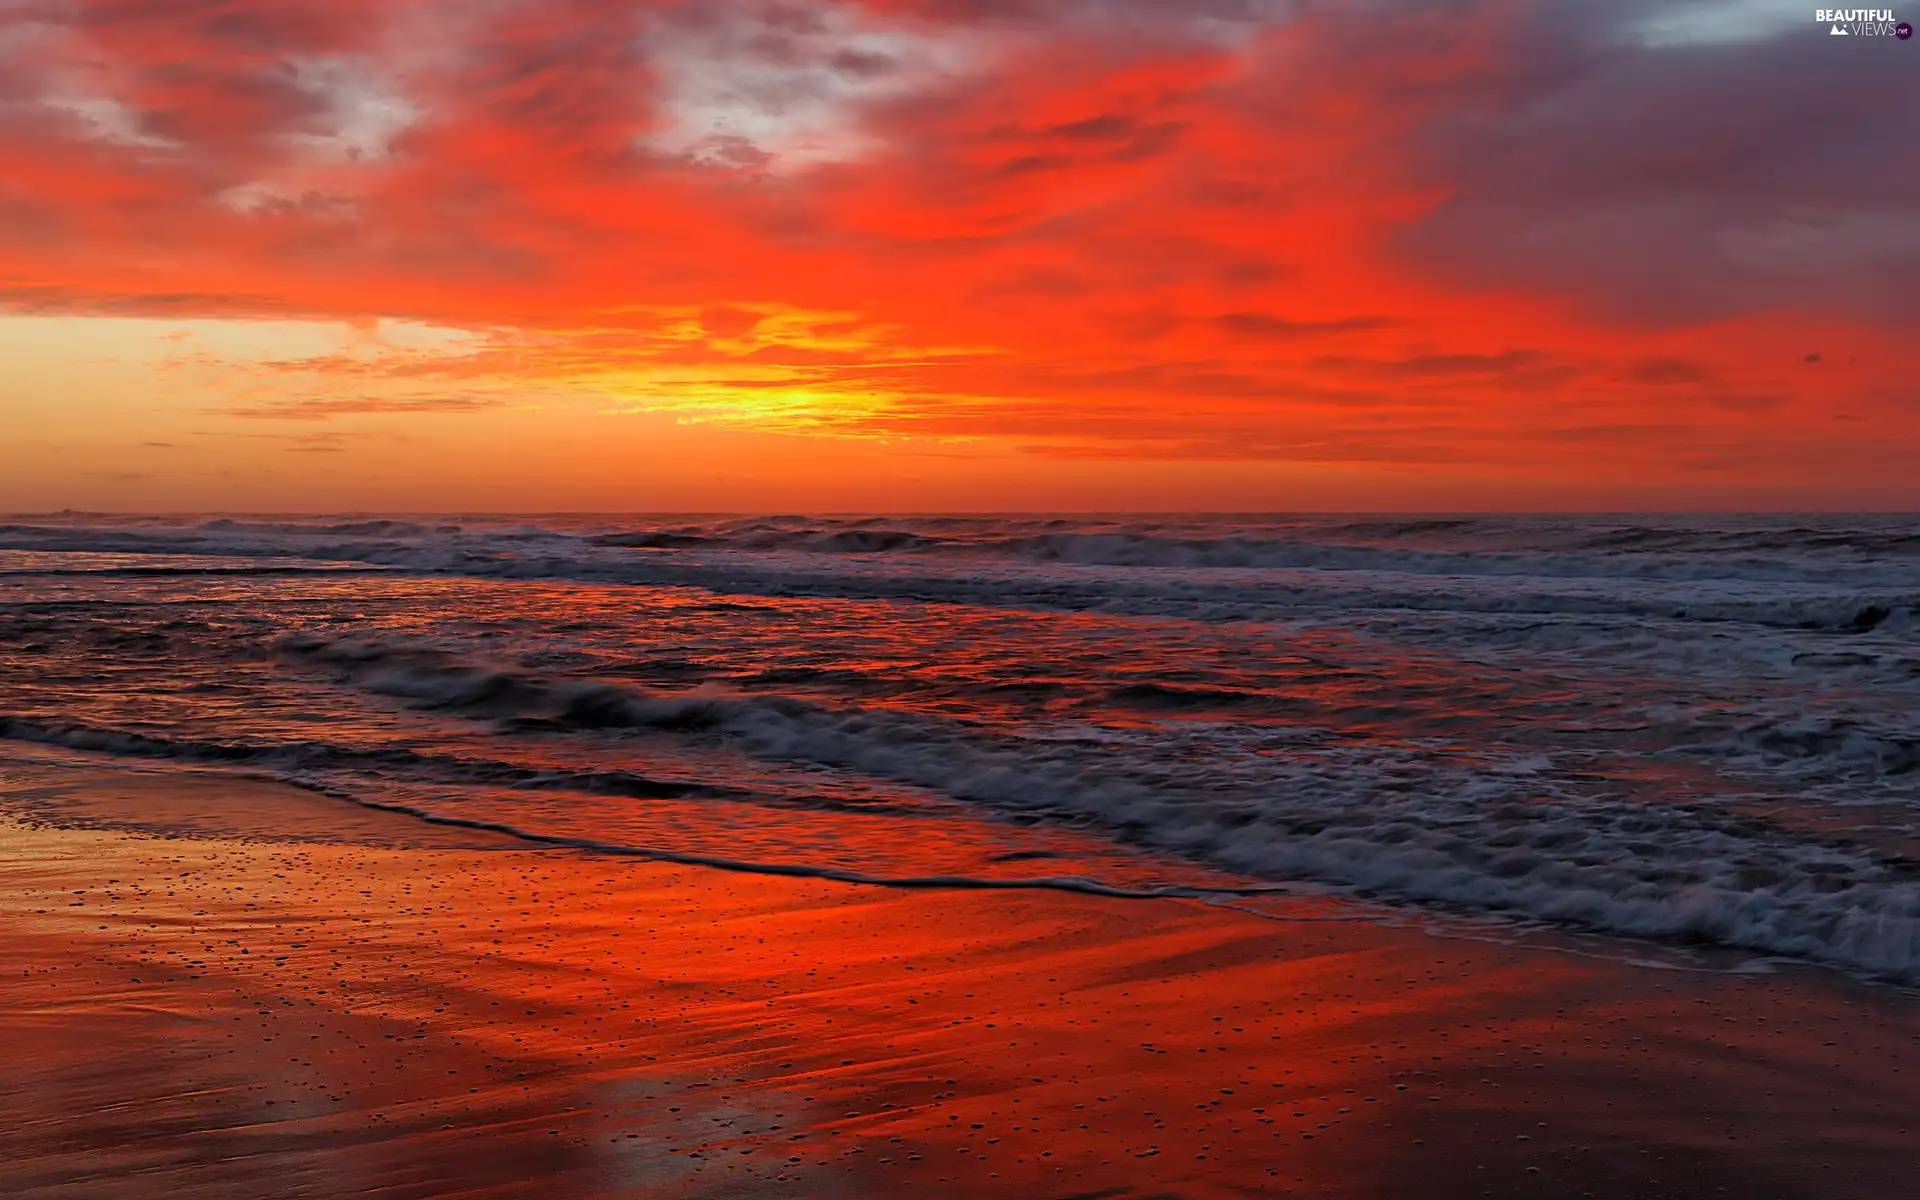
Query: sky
{"points": [[937, 255]]}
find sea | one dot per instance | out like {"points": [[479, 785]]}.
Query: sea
{"points": [[1692, 732]]}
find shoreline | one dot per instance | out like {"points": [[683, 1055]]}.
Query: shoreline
{"points": [[247, 1015]]}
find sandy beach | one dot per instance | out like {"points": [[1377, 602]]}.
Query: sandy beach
{"points": [[308, 999]]}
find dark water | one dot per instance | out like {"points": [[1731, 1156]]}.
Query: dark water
{"points": [[1695, 728]]}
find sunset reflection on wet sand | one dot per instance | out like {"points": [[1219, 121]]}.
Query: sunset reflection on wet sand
{"points": [[257, 1015]]}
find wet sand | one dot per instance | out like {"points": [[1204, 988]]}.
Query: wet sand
{"points": [[252, 1012]]}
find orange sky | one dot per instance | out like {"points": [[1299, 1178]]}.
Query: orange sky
{"points": [[954, 254]]}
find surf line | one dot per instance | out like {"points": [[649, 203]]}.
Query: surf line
{"points": [[1063, 883]]}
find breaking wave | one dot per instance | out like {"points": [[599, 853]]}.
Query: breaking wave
{"points": [[1408, 822]]}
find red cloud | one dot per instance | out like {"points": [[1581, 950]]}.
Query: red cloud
{"points": [[1096, 229]]}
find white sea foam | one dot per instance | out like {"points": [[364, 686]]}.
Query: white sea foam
{"points": [[1407, 821]]}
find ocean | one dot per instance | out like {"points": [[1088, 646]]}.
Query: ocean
{"points": [[1684, 731]]}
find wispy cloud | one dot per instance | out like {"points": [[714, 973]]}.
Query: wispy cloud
{"points": [[317, 408]]}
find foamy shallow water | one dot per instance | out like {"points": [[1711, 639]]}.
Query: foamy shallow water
{"points": [[1696, 728]]}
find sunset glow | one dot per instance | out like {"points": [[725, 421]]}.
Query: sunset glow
{"points": [[953, 254]]}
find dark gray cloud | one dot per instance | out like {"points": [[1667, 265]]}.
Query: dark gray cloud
{"points": [[1742, 170], [1161, 15]]}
